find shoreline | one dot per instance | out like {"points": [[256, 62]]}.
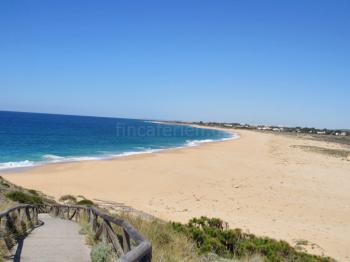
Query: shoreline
{"points": [[73, 159], [260, 183]]}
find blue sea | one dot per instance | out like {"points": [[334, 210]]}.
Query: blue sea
{"points": [[30, 139]]}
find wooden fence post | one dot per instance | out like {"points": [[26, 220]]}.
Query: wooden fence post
{"points": [[94, 222], [77, 214], [35, 216], [30, 222], [126, 241]]}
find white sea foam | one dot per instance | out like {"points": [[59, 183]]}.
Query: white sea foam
{"points": [[59, 159], [19, 164], [130, 153], [50, 158], [191, 143]]}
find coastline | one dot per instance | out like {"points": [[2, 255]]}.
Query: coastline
{"points": [[11, 167], [259, 183]]}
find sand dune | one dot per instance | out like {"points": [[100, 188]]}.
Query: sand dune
{"points": [[260, 182]]}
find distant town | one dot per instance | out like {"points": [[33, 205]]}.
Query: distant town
{"points": [[272, 128], [304, 130]]}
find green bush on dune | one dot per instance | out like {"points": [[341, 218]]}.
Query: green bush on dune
{"points": [[212, 237], [101, 253], [85, 202], [24, 198], [68, 198], [33, 192]]}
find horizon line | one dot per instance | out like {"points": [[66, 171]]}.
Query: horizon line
{"points": [[167, 120]]}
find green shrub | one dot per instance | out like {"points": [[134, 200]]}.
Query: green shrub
{"points": [[85, 202], [101, 253], [68, 198], [3, 183], [33, 192], [213, 236], [24, 198]]}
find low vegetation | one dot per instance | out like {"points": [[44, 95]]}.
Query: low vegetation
{"points": [[24, 198], [68, 199], [201, 240], [102, 252], [33, 192], [11, 195], [167, 243], [85, 202], [340, 153], [72, 200], [86, 230], [212, 236]]}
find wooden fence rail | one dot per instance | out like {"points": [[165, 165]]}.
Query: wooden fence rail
{"points": [[127, 242]]}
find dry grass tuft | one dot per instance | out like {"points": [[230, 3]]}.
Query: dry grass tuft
{"points": [[167, 244]]}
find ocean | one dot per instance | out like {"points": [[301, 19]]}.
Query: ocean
{"points": [[31, 139]]}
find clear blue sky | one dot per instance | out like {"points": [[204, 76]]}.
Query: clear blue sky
{"points": [[271, 62]]}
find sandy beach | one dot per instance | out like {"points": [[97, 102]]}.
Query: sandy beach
{"points": [[263, 183]]}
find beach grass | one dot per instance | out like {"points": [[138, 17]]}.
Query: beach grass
{"points": [[167, 243], [339, 153]]}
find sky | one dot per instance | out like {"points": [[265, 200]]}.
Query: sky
{"points": [[258, 62]]}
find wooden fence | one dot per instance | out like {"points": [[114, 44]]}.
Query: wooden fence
{"points": [[127, 242]]}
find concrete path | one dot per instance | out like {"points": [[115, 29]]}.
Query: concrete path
{"points": [[57, 240]]}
